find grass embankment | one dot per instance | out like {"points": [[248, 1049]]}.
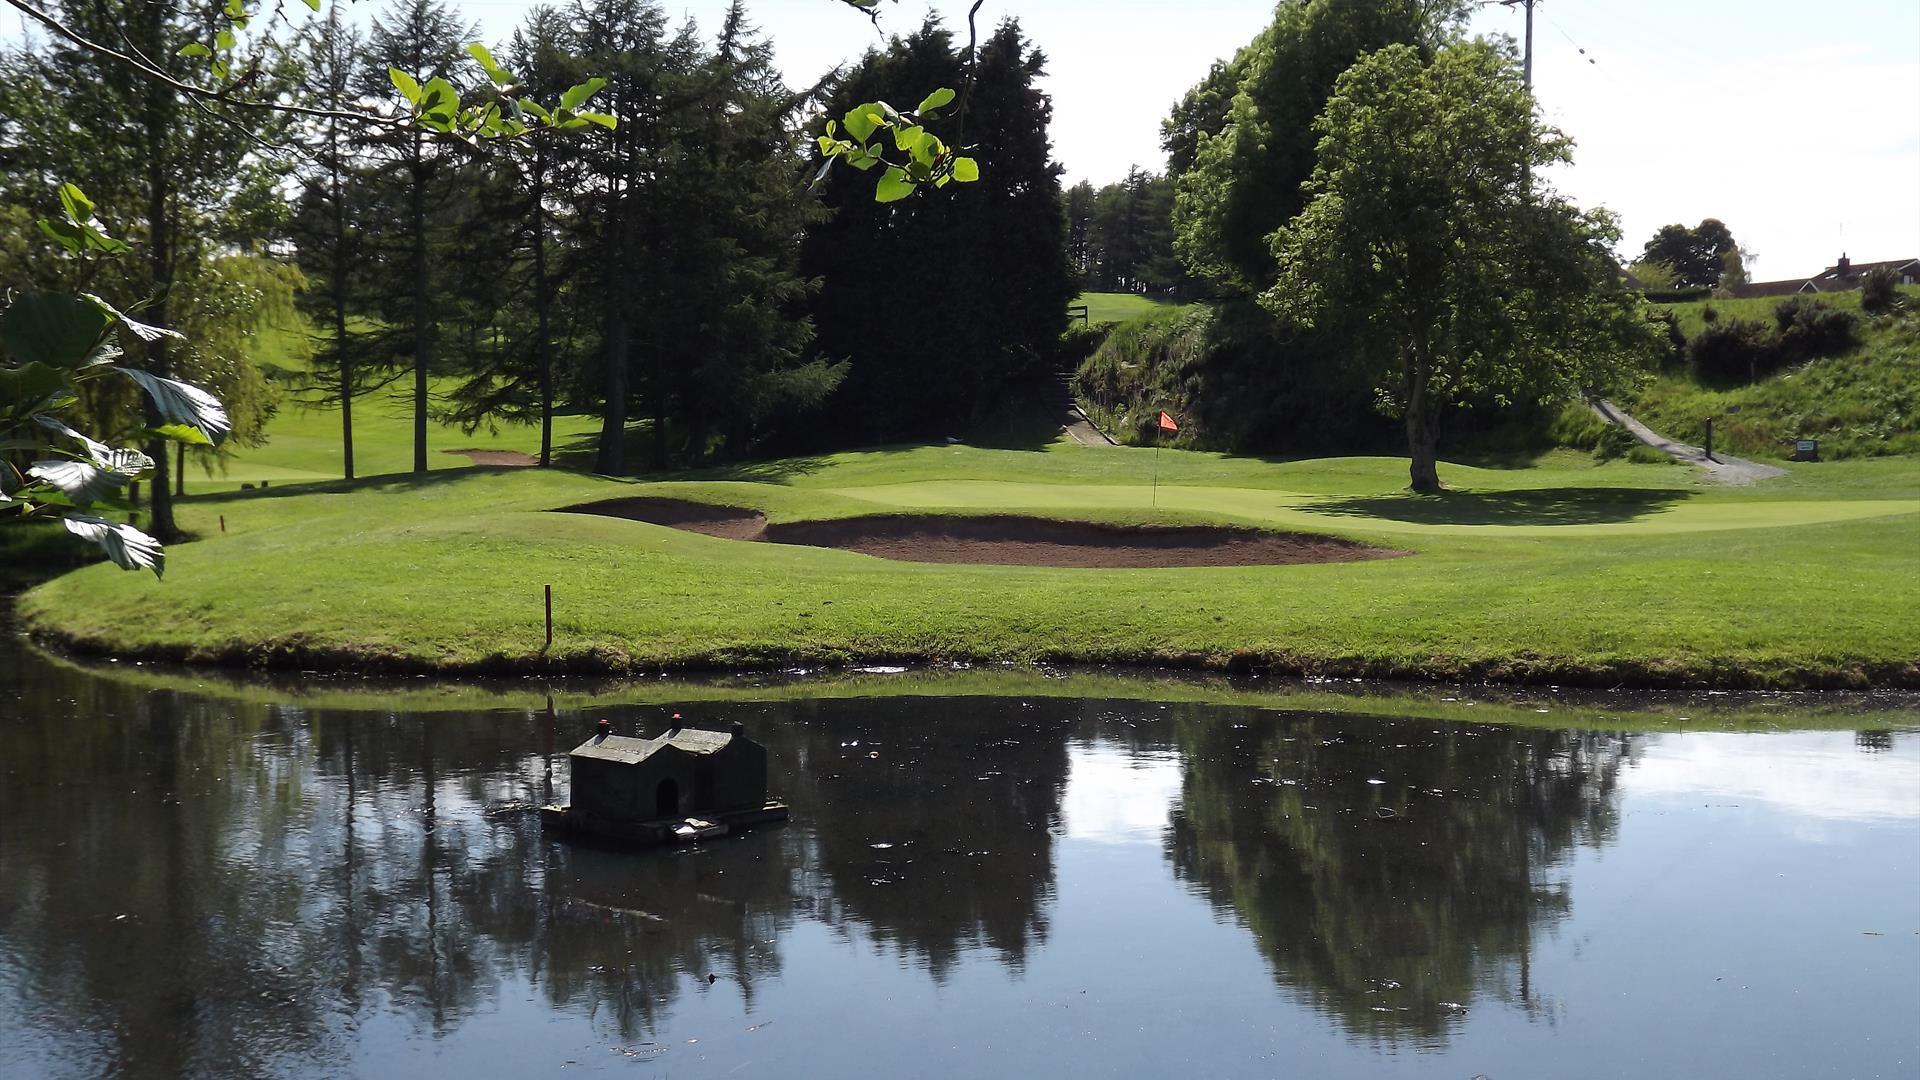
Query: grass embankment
{"points": [[1512, 706], [1563, 572], [1863, 403]]}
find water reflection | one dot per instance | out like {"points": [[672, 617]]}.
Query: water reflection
{"points": [[1392, 884], [200, 887]]}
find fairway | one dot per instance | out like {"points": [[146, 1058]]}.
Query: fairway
{"points": [[304, 442], [1557, 571]]}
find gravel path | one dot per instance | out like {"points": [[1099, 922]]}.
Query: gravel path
{"points": [[1722, 467]]}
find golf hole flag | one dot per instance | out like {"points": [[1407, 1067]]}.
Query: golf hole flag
{"points": [[1167, 426]]}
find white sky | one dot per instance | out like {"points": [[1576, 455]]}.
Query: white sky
{"points": [[1797, 124]]}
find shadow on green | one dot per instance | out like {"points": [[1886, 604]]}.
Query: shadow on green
{"points": [[1547, 506]]}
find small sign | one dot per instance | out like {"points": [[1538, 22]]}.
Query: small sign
{"points": [[1806, 450]]}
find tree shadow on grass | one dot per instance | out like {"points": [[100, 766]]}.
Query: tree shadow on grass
{"points": [[1545, 506]]}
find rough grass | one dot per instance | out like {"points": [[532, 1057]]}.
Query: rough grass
{"points": [[1864, 403], [1561, 572], [1516, 706]]}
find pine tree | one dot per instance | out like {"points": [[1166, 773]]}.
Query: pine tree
{"points": [[410, 172], [942, 300]]}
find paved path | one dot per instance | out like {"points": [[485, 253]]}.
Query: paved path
{"points": [[1722, 467], [1078, 427]]}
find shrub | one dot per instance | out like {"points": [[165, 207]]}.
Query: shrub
{"points": [[1708, 315], [1810, 329], [1879, 291], [1614, 442], [1079, 343], [1734, 351], [1674, 356]]}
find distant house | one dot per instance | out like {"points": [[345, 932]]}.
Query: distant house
{"points": [[682, 772], [1839, 277]]}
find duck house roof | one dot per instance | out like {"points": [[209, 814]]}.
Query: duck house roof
{"points": [[631, 751]]}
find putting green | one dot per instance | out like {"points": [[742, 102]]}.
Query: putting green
{"points": [[1508, 513]]}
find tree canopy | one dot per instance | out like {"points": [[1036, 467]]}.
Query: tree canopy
{"points": [[1241, 142], [1700, 257], [1430, 239]]}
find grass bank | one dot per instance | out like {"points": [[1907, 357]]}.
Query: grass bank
{"points": [[1554, 708], [1862, 403], [1563, 572]]}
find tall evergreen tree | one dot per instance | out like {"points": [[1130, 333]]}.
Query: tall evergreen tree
{"points": [[327, 237], [940, 301], [411, 169]]}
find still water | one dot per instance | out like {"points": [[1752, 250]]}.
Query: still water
{"points": [[196, 886]]}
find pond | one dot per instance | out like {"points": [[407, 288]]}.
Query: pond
{"points": [[199, 882]]}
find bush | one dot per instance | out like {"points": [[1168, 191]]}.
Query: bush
{"points": [[1079, 343], [1614, 442], [1674, 356], [1879, 290], [1809, 329], [1734, 351]]}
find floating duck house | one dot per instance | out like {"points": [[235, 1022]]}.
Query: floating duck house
{"points": [[684, 784]]}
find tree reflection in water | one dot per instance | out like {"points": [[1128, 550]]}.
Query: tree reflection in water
{"points": [[198, 886], [1394, 873]]}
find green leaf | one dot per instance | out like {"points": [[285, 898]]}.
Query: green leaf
{"points": [[52, 329], [577, 96], [904, 138], [143, 331], [498, 74], [939, 99], [79, 208], [81, 482], [408, 86], [314, 4], [224, 40], [181, 433], [439, 102], [966, 170], [863, 120], [605, 120], [195, 49], [183, 403], [235, 8], [128, 547], [31, 388], [894, 186]]}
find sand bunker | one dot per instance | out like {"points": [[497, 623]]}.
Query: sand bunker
{"points": [[1000, 539]]}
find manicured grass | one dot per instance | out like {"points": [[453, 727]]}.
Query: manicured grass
{"points": [[1564, 571], [1120, 307], [303, 443]]}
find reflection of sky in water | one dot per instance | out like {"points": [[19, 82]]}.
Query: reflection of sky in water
{"points": [[1823, 775], [969, 887], [1116, 796]]}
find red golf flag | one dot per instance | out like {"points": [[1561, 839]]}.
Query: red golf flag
{"points": [[1167, 425]]}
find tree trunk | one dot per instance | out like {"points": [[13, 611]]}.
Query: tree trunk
{"points": [[417, 211], [611, 460], [339, 290], [541, 302], [180, 469], [1422, 438], [160, 262]]}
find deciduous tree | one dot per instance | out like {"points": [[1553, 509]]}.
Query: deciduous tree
{"points": [[1431, 239]]}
